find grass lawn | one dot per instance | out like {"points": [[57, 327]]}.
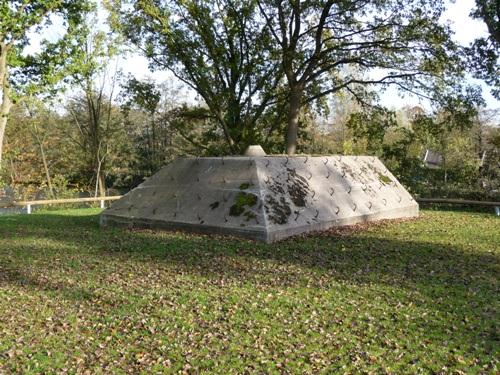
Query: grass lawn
{"points": [[413, 297]]}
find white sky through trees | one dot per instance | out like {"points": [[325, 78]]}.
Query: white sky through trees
{"points": [[465, 29]]}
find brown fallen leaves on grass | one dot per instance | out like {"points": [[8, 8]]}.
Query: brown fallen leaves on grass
{"points": [[417, 296]]}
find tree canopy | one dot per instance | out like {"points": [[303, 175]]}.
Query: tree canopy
{"points": [[19, 20], [242, 57], [220, 49], [485, 51], [329, 46]]}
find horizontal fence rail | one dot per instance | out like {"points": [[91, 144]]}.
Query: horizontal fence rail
{"points": [[69, 200], [458, 201], [30, 204]]}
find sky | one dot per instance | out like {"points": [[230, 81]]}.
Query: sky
{"points": [[466, 30], [464, 27]]}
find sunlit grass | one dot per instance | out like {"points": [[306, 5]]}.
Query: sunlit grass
{"points": [[413, 297]]}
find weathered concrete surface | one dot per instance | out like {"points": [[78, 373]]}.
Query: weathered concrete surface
{"points": [[265, 198]]}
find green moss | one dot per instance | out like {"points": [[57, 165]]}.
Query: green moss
{"points": [[249, 215], [245, 186], [236, 210], [384, 179], [242, 200]]}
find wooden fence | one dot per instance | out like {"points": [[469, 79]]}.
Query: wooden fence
{"points": [[30, 204], [462, 202]]}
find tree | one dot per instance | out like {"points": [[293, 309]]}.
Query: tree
{"points": [[152, 114], [486, 134], [443, 131], [145, 97], [489, 12], [484, 52], [371, 126], [40, 137], [390, 42], [218, 48], [18, 19], [90, 71], [37, 154]]}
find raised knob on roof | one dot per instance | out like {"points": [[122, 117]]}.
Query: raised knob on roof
{"points": [[255, 150]]}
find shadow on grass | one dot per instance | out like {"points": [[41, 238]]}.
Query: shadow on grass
{"points": [[452, 279]]}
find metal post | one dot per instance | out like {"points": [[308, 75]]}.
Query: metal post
{"points": [[102, 203], [28, 208], [497, 210]]}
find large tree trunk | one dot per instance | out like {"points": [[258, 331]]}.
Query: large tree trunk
{"points": [[6, 103], [293, 121], [3, 124]]}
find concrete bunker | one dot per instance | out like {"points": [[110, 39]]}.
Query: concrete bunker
{"points": [[261, 197]]}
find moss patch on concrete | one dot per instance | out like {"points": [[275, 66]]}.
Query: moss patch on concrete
{"points": [[242, 201], [384, 179]]}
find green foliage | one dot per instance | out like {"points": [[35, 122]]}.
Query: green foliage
{"points": [[484, 52], [218, 49], [36, 72], [371, 126], [36, 133], [323, 48], [241, 202], [163, 126], [236, 57], [463, 137], [461, 145], [487, 10], [22, 73], [245, 186], [143, 94], [101, 136], [413, 297]]}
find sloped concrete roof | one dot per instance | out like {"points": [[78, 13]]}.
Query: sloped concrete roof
{"points": [[265, 198]]}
